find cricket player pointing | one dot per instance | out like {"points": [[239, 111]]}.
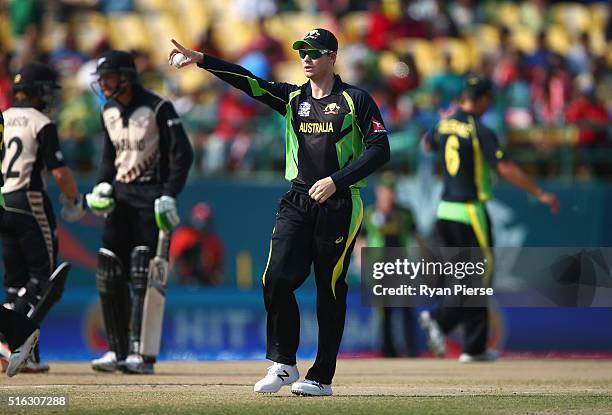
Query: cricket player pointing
{"points": [[335, 137], [145, 163]]}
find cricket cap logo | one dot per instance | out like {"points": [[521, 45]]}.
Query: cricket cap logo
{"points": [[313, 34], [332, 108]]}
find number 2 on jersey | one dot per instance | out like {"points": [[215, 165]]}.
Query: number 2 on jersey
{"points": [[451, 155], [10, 173]]}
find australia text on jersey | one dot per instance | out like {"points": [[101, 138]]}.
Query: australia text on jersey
{"points": [[316, 127]]}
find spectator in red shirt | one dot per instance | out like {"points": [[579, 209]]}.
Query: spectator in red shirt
{"points": [[196, 251], [591, 118], [379, 27]]}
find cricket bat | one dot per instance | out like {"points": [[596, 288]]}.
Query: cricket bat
{"points": [[155, 298]]}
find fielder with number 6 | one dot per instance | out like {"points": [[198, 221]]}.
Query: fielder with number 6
{"points": [[145, 163]]}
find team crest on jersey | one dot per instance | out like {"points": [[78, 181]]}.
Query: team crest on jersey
{"points": [[332, 109], [378, 126], [304, 109]]}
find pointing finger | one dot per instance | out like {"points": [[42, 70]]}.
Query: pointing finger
{"points": [[180, 47]]}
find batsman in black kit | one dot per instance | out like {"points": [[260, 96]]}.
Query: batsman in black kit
{"points": [[145, 163], [28, 226], [19, 332], [334, 138]]}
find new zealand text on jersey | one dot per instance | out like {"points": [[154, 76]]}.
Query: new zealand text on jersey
{"points": [[316, 127], [126, 144]]}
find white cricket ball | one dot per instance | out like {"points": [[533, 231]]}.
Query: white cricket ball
{"points": [[178, 59]]}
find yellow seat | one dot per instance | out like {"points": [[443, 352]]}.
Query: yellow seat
{"points": [[128, 31], [485, 37], [508, 14], [6, 33], [354, 26], [387, 63], [599, 15], [462, 58], [523, 39], [232, 36], [574, 17], [89, 27], [162, 27], [558, 39], [598, 41], [194, 16], [426, 58], [191, 79]]}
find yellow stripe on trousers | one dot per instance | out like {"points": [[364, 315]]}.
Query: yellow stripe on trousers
{"points": [[356, 219], [483, 239], [263, 279]]}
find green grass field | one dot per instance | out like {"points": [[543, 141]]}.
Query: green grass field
{"points": [[369, 386]]}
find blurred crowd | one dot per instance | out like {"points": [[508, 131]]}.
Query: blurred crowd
{"points": [[550, 62]]}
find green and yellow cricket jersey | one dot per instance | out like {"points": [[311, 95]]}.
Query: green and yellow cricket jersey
{"points": [[341, 135], [469, 150]]}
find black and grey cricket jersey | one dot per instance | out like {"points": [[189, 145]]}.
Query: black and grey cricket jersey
{"points": [[145, 144], [31, 147]]}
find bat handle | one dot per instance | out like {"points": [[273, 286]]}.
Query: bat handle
{"points": [[163, 244]]}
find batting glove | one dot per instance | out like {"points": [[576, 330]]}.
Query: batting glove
{"points": [[72, 210], [100, 200], [166, 215]]}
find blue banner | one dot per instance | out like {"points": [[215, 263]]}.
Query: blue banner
{"points": [[230, 324]]}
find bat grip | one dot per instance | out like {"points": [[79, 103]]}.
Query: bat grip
{"points": [[163, 244]]}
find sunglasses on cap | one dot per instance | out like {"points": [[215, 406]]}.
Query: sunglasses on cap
{"points": [[313, 53]]}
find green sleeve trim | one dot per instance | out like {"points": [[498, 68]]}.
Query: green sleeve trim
{"points": [[291, 142], [256, 89], [2, 204], [357, 138]]}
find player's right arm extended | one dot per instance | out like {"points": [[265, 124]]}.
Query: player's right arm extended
{"points": [[273, 94]]}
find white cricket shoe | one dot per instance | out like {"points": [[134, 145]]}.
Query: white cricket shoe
{"points": [[435, 337], [279, 375], [488, 355], [106, 363], [311, 388], [32, 366], [22, 355], [135, 364]]}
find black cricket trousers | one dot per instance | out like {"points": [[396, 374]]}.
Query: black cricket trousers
{"points": [[474, 320], [305, 233]]}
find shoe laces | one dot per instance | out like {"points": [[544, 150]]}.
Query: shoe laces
{"points": [[314, 382], [272, 370]]}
